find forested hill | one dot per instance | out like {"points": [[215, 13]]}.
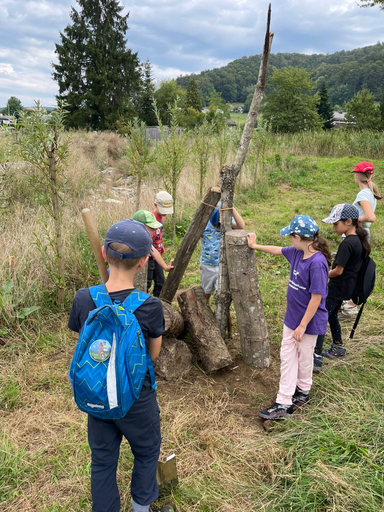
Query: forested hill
{"points": [[345, 73]]}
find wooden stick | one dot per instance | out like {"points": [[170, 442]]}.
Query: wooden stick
{"points": [[94, 240], [11, 266]]}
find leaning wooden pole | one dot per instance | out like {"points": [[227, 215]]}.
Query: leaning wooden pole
{"points": [[246, 296], [228, 181], [189, 242]]}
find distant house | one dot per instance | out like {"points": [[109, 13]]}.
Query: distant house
{"points": [[339, 119], [231, 123], [4, 120], [153, 132], [205, 110]]}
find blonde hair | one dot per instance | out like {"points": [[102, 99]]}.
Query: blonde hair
{"points": [[125, 263], [363, 178]]}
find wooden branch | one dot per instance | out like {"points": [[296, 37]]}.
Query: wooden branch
{"points": [[228, 181], [189, 242]]}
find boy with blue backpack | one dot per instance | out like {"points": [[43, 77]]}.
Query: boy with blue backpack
{"points": [[112, 374]]}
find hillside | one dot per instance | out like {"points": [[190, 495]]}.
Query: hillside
{"points": [[345, 73]]}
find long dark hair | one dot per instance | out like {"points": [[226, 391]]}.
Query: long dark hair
{"points": [[319, 244], [363, 235]]}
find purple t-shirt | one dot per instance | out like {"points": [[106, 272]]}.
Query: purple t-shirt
{"points": [[306, 277]]}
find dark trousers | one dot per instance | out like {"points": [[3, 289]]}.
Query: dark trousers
{"points": [[333, 307], [155, 273], [141, 428]]}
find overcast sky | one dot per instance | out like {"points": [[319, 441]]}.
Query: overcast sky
{"points": [[179, 36]]}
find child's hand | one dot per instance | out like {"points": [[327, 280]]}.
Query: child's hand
{"points": [[169, 267], [299, 333], [251, 239]]}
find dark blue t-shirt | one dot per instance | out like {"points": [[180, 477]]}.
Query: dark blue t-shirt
{"points": [[149, 315]]}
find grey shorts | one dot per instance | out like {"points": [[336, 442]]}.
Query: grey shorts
{"points": [[209, 277]]}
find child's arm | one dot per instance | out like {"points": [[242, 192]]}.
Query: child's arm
{"points": [[154, 347], [271, 249], [369, 215], [313, 305], [335, 272], [157, 257], [239, 223]]}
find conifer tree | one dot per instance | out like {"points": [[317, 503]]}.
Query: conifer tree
{"points": [[97, 74], [192, 98], [381, 107], [325, 109], [145, 108]]}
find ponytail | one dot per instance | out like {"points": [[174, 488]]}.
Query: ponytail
{"points": [[364, 238], [320, 244], [363, 177]]}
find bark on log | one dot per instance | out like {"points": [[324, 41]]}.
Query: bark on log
{"points": [[174, 322], [247, 299], [174, 359], [140, 281], [228, 181], [201, 325], [189, 242]]}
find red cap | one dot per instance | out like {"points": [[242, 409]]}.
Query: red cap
{"points": [[365, 167]]}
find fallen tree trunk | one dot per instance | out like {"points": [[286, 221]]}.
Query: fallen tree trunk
{"points": [[140, 281], [201, 325], [189, 242], [246, 297], [174, 322], [174, 359]]}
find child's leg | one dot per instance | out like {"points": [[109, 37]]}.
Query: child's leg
{"points": [[104, 440], [141, 427], [334, 323], [151, 272], [333, 307], [288, 367], [159, 279], [305, 366]]}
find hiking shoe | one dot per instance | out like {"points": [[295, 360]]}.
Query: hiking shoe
{"points": [[276, 412], [317, 363], [335, 352], [166, 508], [300, 398], [348, 311]]}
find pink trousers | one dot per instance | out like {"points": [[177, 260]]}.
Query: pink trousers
{"points": [[296, 365]]}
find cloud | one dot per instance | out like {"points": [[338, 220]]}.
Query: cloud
{"points": [[179, 37]]}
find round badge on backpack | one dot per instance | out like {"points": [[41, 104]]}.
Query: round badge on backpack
{"points": [[100, 350]]}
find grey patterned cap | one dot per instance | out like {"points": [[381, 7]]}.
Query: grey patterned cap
{"points": [[301, 225], [342, 211]]}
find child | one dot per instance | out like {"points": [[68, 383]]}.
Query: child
{"points": [[151, 224], [163, 206], [365, 202], [126, 248], [306, 315], [210, 250], [343, 276]]}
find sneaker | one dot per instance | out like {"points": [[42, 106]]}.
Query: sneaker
{"points": [[300, 398], [335, 352], [276, 412], [317, 363], [166, 508], [348, 310]]}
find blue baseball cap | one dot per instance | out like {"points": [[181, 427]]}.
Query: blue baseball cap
{"points": [[301, 225], [131, 233]]}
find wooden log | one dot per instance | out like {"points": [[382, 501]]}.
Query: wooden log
{"points": [[201, 325], [174, 322], [174, 359], [247, 299], [189, 242], [140, 280]]}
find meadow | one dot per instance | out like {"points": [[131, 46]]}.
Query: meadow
{"points": [[328, 457]]}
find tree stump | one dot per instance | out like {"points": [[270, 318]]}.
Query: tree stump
{"points": [[202, 326], [174, 359], [174, 322], [247, 299]]}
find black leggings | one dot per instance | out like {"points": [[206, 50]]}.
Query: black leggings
{"points": [[333, 307]]}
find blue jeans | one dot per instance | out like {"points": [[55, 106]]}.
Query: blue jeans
{"points": [[141, 428]]}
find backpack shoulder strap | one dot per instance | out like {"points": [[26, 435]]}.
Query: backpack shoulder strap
{"points": [[134, 300], [100, 295]]}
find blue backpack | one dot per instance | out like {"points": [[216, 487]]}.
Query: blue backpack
{"points": [[110, 361]]}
